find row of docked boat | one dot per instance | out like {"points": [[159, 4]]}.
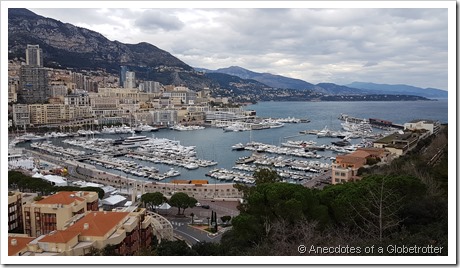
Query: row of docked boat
{"points": [[180, 127], [127, 166], [95, 144], [48, 147], [230, 176], [296, 164], [123, 129], [268, 148]]}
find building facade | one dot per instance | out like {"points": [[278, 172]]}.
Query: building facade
{"points": [[126, 231], [15, 220], [345, 168], [430, 125], [34, 56], [53, 212], [33, 85]]}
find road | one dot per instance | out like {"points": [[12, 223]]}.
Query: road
{"points": [[193, 235]]}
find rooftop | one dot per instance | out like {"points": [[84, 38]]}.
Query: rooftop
{"points": [[423, 120], [16, 246], [65, 198], [98, 223], [59, 237]]}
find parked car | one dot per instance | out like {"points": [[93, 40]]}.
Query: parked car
{"points": [[205, 206]]}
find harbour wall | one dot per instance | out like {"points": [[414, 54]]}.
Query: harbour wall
{"points": [[89, 173]]}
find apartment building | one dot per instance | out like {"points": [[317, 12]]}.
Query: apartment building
{"points": [[128, 231], [400, 142], [21, 115], [345, 168], [52, 212], [18, 244], [15, 219], [430, 125]]}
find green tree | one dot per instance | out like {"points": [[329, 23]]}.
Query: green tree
{"points": [[225, 219], [374, 204], [93, 251], [110, 250], [266, 175], [182, 201], [152, 200], [208, 249], [175, 248]]}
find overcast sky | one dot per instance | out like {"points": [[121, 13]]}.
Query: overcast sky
{"points": [[391, 46]]}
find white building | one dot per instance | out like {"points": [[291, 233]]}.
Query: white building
{"points": [[430, 125], [130, 81]]}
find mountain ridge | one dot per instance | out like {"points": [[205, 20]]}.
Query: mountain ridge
{"points": [[67, 46]]}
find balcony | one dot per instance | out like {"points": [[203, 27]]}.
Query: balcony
{"points": [[116, 238]]}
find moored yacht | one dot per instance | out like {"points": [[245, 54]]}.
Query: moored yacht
{"points": [[134, 141], [145, 128]]}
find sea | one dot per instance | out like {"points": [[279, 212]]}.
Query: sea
{"points": [[215, 144]]}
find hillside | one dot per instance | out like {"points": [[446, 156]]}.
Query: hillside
{"points": [[70, 47]]}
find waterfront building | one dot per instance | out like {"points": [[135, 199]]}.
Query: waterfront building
{"points": [[345, 168], [179, 97], [15, 220], [13, 86], [21, 115], [77, 99], [400, 142], [164, 117], [430, 125], [224, 115], [41, 114], [53, 212]]}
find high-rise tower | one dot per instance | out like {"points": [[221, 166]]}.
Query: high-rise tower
{"points": [[34, 56], [33, 78], [123, 70]]}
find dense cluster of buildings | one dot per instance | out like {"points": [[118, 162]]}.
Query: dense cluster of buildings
{"points": [[72, 224], [346, 167], [42, 96]]}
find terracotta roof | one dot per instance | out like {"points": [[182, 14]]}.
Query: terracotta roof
{"points": [[99, 223], [361, 154], [349, 159], [21, 243], [65, 198], [59, 236]]}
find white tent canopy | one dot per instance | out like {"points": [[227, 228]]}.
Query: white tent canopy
{"points": [[113, 200], [57, 180]]}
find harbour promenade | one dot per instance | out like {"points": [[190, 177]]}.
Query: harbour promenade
{"points": [[89, 173]]}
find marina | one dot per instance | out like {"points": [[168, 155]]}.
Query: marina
{"points": [[295, 150]]}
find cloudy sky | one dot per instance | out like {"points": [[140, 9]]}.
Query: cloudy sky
{"points": [[380, 45]]}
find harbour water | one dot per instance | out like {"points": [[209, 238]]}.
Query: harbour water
{"points": [[215, 144]]}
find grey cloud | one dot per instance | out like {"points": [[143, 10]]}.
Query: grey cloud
{"points": [[80, 15], [370, 63], [396, 43], [151, 20]]}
